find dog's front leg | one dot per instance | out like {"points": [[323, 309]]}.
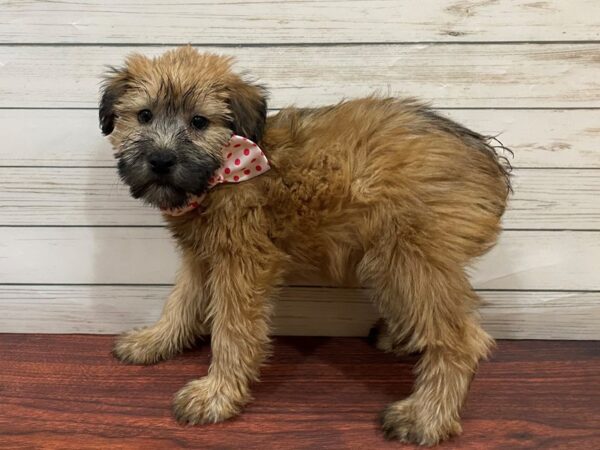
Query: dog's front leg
{"points": [[241, 284], [181, 321]]}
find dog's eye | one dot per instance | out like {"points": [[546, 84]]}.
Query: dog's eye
{"points": [[145, 116], [199, 122]]}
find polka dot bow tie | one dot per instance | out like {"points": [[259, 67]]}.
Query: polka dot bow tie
{"points": [[243, 160]]}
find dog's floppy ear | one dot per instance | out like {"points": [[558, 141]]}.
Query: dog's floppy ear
{"points": [[115, 84], [248, 107]]}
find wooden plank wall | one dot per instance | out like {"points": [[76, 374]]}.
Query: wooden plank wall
{"points": [[78, 255]]}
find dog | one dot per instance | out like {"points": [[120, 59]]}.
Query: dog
{"points": [[383, 191]]}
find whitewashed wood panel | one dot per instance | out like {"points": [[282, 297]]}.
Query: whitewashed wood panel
{"points": [[243, 22], [522, 260], [299, 311], [543, 198], [554, 199], [539, 138], [69, 196], [541, 315], [450, 75]]}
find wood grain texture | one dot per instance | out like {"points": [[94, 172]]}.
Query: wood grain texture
{"points": [[311, 21], [543, 199], [67, 392], [450, 75], [547, 260], [539, 138], [554, 199], [300, 311]]}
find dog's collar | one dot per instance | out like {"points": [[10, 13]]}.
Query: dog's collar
{"points": [[243, 160]]}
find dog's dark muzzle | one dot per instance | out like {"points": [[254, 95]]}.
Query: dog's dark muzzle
{"points": [[164, 179]]}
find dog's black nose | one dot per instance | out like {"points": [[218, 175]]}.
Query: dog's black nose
{"points": [[161, 161]]}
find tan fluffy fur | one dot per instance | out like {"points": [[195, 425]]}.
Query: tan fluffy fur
{"points": [[382, 191]]}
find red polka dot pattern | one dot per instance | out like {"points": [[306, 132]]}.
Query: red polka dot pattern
{"points": [[247, 161]]}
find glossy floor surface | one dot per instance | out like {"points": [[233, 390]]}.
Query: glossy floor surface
{"points": [[66, 391]]}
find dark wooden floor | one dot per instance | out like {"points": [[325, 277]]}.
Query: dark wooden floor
{"points": [[67, 392]]}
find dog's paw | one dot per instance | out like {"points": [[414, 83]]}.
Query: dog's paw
{"points": [[405, 422], [142, 346], [202, 401], [380, 337]]}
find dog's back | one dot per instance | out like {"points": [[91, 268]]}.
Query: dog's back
{"points": [[357, 170]]}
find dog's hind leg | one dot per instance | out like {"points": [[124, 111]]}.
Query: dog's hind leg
{"points": [[181, 321], [428, 308]]}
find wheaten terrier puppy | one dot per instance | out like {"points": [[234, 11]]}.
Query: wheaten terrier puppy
{"points": [[380, 190]]}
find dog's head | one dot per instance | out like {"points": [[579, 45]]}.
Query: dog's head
{"points": [[168, 119]]}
